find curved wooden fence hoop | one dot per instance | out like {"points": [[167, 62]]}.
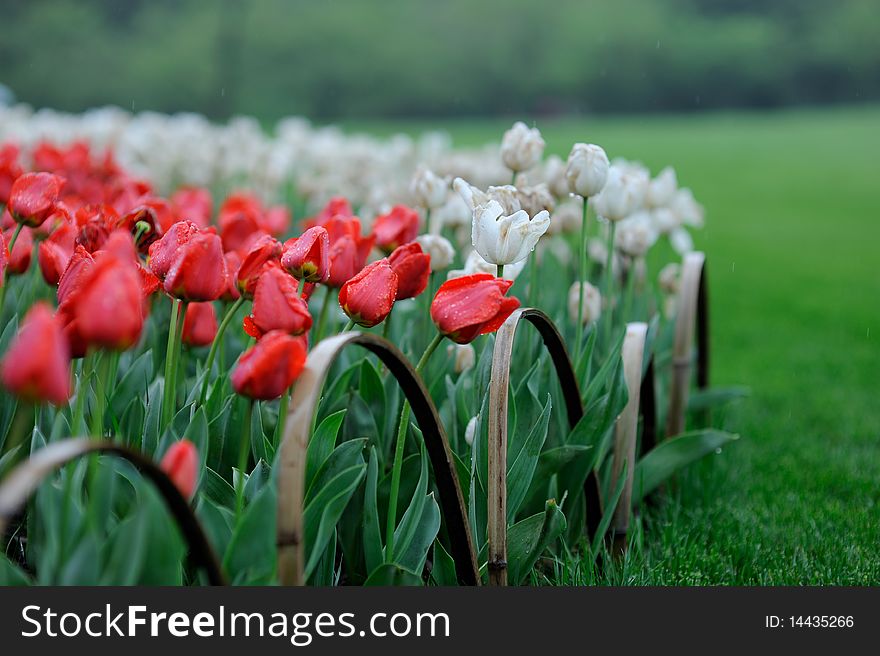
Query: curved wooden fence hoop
{"points": [[693, 316], [291, 476], [497, 430], [23, 481]]}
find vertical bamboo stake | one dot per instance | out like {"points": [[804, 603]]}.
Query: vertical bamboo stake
{"points": [[626, 428], [691, 274]]}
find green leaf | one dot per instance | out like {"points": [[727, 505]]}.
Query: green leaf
{"points": [[388, 574], [346, 455], [134, 383], [218, 489], [125, 551], [673, 454], [604, 376], [608, 513], [322, 443], [11, 575], [250, 557], [527, 540], [409, 523], [416, 553], [372, 534], [443, 572], [716, 397], [325, 510], [522, 463]]}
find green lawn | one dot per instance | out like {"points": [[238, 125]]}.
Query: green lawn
{"points": [[793, 244]]}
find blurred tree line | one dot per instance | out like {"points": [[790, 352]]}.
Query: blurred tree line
{"points": [[370, 58]]}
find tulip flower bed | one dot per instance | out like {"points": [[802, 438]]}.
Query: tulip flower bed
{"points": [[434, 378]]}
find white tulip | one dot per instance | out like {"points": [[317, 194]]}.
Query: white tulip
{"points": [[554, 175], [463, 356], [470, 431], [501, 239], [428, 189], [505, 195], [440, 250], [587, 169], [623, 193], [681, 241], [454, 212], [686, 209], [535, 199], [635, 234], [664, 220], [521, 147], [662, 188], [669, 278], [476, 264], [592, 302], [566, 217]]}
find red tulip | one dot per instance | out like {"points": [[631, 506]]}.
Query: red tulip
{"points": [[9, 170], [336, 206], [413, 267], [71, 279], [268, 368], [278, 306], [193, 204], [264, 251], [307, 257], [198, 272], [37, 365], [181, 463], [108, 304], [199, 324], [20, 256], [369, 296], [95, 223], [33, 197], [276, 220], [4, 258], [163, 252], [473, 305], [348, 249], [145, 222], [240, 217], [397, 227], [55, 252], [230, 289]]}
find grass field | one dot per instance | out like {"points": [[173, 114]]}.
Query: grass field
{"points": [[793, 244]]}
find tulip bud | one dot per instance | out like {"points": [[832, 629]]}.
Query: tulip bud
{"points": [[470, 431], [336, 206], [239, 220], [686, 209], [33, 196], [267, 369], [181, 464], [506, 239], [623, 194], [276, 220], [473, 305], [10, 170], [307, 257], [397, 227], [37, 365], [199, 324], [521, 147], [535, 199], [369, 296], [439, 249], [19, 259], [463, 356], [348, 249], [661, 189], [107, 304], [587, 169], [198, 272], [413, 267], [681, 241], [592, 302], [635, 234], [669, 278], [427, 189], [278, 306]]}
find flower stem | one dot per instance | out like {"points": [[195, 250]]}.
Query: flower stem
{"points": [[402, 425], [3, 279], [609, 285], [499, 270], [14, 237], [169, 396], [243, 452], [282, 415], [102, 374], [582, 274], [82, 391], [218, 338], [348, 326], [322, 317]]}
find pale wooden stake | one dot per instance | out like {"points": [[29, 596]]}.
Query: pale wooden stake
{"points": [[626, 427]]}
